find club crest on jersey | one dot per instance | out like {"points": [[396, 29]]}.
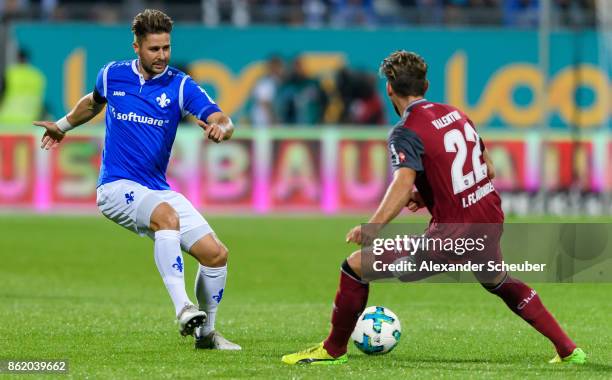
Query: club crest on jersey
{"points": [[396, 159], [163, 100]]}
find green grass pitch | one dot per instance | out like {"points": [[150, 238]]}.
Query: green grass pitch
{"points": [[83, 289]]}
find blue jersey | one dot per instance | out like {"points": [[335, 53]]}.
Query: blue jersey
{"points": [[142, 118]]}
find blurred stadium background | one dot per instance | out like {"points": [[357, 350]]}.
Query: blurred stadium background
{"points": [[300, 80]]}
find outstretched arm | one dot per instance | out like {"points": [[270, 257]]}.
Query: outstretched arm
{"points": [[85, 109]]}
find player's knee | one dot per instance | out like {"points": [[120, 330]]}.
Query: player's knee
{"points": [[354, 263], [491, 283], [218, 256], [165, 218], [170, 220]]}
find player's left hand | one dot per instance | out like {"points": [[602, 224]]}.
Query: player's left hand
{"points": [[214, 132]]}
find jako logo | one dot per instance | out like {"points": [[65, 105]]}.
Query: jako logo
{"points": [[525, 301], [162, 100], [118, 93]]}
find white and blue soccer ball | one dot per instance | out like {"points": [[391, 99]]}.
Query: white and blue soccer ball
{"points": [[378, 331]]}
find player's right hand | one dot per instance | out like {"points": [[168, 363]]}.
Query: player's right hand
{"points": [[354, 235], [53, 135]]}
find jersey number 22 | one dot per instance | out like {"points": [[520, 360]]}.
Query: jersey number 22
{"points": [[454, 141]]}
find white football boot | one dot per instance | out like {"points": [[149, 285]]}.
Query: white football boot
{"points": [[189, 319], [213, 341]]}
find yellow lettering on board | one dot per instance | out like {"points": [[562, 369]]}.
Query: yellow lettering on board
{"points": [[562, 95], [505, 82], [74, 81], [233, 92], [456, 91], [497, 97], [317, 64], [74, 77]]}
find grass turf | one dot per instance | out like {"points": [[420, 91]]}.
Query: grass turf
{"points": [[83, 289]]}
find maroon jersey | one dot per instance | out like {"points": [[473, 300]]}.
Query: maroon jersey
{"points": [[440, 143]]}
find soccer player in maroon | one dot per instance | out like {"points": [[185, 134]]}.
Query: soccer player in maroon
{"points": [[435, 148]]}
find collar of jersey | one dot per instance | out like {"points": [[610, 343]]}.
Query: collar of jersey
{"points": [[142, 80], [409, 108]]}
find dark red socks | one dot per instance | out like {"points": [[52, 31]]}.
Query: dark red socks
{"points": [[526, 303], [349, 303]]}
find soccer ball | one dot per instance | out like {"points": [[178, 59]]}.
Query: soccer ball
{"points": [[378, 331]]}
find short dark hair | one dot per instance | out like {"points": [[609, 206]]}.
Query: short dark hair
{"points": [[406, 72], [151, 21]]}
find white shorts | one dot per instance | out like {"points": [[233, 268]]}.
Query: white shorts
{"points": [[130, 205]]}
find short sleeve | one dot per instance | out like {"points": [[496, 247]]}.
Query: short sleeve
{"points": [[194, 100], [99, 91], [406, 149]]}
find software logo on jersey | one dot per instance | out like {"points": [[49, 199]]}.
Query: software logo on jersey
{"points": [[134, 117], [163, 100]]}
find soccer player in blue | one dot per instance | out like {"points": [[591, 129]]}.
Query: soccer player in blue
{"points": [[145, 100]]}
